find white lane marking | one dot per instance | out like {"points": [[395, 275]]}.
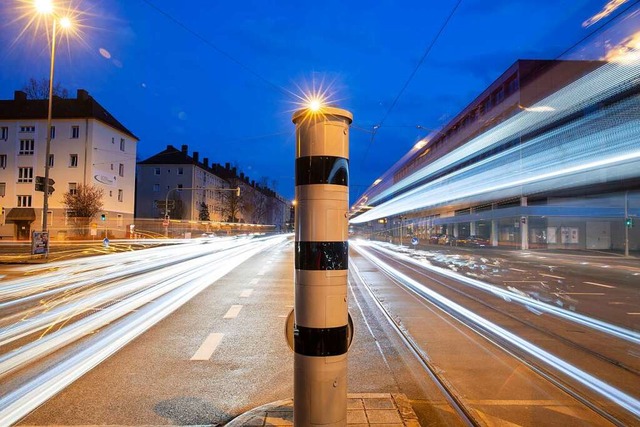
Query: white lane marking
{"points": [[283, 315], [517, 269], [208, 347], [634, 314], [550, 275], [600, 284], [246, 293], [233, 312], [583, 293], [261, 273], [254, 281]]}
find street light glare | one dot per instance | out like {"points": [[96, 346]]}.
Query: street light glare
{"points": [[65, 22], [44, 6]]}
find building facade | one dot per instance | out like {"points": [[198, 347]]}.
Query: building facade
{"points": [[173, 184], [88, 147], [548, 156]]}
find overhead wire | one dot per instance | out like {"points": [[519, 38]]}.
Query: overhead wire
{"points": [[411, 76], [209, 43]]}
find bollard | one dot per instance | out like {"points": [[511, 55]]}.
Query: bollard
{"points": [[322, 331]]}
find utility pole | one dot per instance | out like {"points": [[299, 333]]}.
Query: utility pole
{"points": [[321, 331]]}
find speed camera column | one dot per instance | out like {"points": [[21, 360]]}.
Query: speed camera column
{"points": [[321, 322]]}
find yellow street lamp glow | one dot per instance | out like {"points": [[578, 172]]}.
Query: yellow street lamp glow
{"points": [[65, 22], [44, 6]]}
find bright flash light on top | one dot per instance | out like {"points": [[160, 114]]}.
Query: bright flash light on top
{"points": [[315, 96], [315, 105]]}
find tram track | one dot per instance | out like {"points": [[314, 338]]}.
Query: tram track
{"points": [[563, 359]]}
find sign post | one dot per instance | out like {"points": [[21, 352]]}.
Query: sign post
{"points": [[321, 331]]}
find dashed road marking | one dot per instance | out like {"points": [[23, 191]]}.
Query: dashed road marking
{"points": [[599, 284], [517, 269], [551, 275], [254, 281], [208, 347], [233, 312], [246, 293], [262, 273], [634, 314]]}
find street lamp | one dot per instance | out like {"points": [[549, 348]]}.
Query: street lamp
{"points": [[46, 7]]}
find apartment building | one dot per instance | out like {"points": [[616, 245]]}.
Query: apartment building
{"points": [[89, 146]]}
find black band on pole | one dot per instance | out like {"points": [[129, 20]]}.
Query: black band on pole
{"points": [[322, 170], [319, 342], [321, 255]]}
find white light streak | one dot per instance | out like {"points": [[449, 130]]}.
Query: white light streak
{"points": [[598, 386]]}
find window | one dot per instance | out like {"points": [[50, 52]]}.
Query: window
{"points": [[121, 170], [119, 220], [26, 147], [73, 188], [180, 171], [156, 171], [29, 129], [4, 133], [156, 188], [179, 187], [113, 140], [121, 144], [3, 161], [120, 195], [73, 160], [53, 132], [25, 174], [3, 189], [75, 132], [24, 201], [112, 166], [51, 160], [110, 193]]}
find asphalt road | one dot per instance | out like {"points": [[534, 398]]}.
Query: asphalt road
{"points": [[154, 381]]}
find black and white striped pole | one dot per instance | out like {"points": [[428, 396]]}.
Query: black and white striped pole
{"points": [[322, 329]]}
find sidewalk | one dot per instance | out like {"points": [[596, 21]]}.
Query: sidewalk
{"points": [[363, 409]]}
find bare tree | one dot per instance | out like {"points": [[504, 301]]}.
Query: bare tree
{"points": [[85, 202], [39, 89], [233, 205], [83, 205]]}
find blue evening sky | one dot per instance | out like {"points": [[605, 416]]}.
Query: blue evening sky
{"points": [[226, 92]]}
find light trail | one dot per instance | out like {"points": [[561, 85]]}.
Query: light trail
{"points": [[606, 139], [169, 292], [522, 298], [596, 385]]}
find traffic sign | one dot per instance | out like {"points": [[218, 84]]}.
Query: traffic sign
{"points": [[414, 241]]}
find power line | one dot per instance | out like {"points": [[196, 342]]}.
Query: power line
{"points": [[411, 76], [220, 51]]}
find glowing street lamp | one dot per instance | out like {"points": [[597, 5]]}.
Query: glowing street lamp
{"points": [[45, 7]]}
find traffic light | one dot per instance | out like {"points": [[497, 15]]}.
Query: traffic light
{"points": [[103, 217], [628, 222]]}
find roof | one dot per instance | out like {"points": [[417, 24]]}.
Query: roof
{"points": [[82, 107], [21, 214], [169, 156]]}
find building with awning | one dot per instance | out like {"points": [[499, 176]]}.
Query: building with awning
{"points": [[89, 146]]}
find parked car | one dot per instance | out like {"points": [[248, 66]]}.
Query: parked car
{"points": [[474, 241], [447, 239]]}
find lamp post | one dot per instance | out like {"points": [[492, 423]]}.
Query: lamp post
{"points": [[46, 7]]}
